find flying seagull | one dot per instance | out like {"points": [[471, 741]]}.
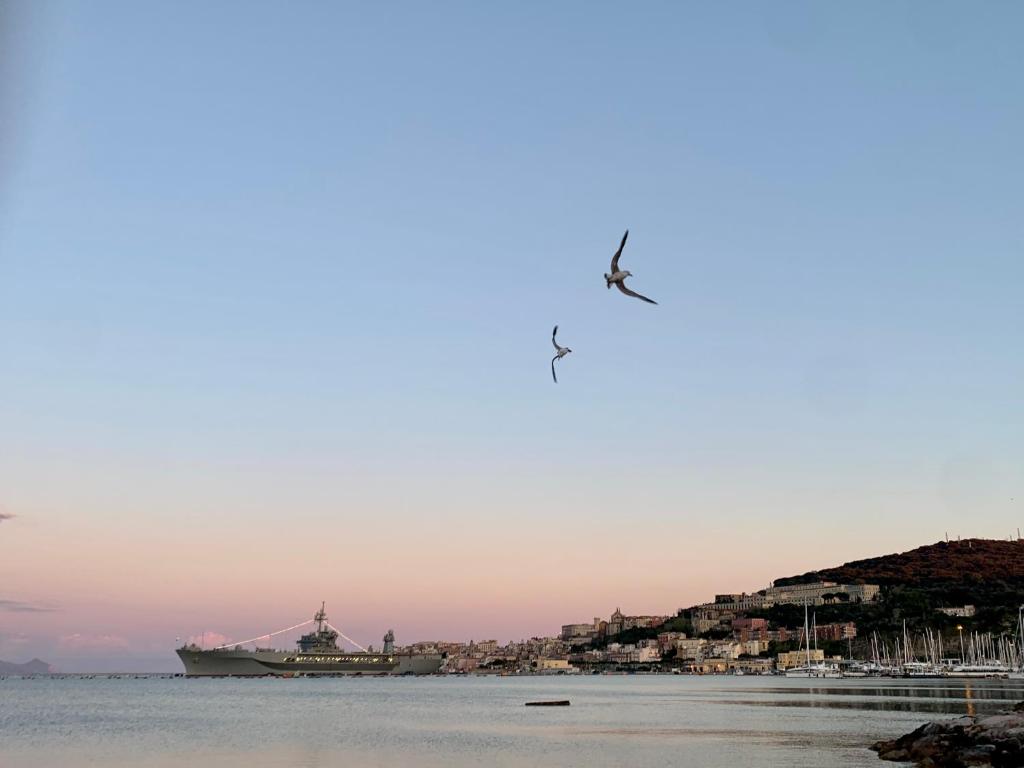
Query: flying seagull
{"points": [[619, 278], [560, 352]]}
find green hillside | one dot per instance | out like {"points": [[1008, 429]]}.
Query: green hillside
{"points": [[985, 573], [970, 561]]}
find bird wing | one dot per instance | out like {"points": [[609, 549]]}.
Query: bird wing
{"points": [[553, 334], [553, 368], [625, 290], [615, 258]]}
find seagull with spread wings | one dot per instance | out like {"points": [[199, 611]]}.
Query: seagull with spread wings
{"points": [[619, 278], [560, 352]]}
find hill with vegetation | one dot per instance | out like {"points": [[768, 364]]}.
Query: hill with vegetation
{"points": [[971, 561], [984, 573]]}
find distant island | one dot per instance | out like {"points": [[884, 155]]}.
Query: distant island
{"points": [[34, 667]]}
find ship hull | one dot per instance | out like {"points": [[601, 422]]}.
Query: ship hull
{"points": [[261, 663]]}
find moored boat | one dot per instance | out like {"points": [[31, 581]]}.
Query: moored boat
{"points": [[814, 670], [318, 654]]}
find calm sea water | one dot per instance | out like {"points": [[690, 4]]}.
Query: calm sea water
{"points": [[703, 722]]}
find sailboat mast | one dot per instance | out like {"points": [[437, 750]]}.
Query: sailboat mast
{"points": [[807, 637], [1020, 626]]}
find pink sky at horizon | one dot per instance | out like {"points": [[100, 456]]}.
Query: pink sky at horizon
{"points": [[134, 595], [241, 550]]}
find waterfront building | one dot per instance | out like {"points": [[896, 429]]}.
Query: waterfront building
{"points": [[790, 659], [501, 659], [462, 664], [709, 666], [750, 666], [552, 665]]}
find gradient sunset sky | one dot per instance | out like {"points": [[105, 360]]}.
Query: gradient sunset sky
{"points": [[277, 283]]}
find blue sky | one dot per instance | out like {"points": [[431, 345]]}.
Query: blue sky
{"points": [[264, 262]]}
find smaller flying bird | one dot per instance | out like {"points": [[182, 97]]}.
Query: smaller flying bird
{"points": [[619, 278], [560, 352]]}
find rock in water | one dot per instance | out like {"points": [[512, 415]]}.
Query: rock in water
{"points": [[996, 740]]}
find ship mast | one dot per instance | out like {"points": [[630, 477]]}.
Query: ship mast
{"points": [[321, 617]]}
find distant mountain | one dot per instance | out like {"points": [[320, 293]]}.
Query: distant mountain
{"points": [[971, 561], [34, 667]]}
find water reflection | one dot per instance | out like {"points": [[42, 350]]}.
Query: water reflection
{"points": [[997, 691], [949, 707], [941, 697], [456, 723]]}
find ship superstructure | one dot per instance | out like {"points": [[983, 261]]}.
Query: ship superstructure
{"points": [[318, 653]]}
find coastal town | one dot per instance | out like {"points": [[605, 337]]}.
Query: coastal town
{"points": [[720, 637], [711, 638]]}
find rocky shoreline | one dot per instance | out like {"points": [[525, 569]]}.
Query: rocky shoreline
{"points": [[996, 740]]}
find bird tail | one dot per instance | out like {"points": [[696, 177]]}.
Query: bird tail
{"points": [[608, 280]]}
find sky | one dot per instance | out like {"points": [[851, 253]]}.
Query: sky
{"points": [[277, 284]]}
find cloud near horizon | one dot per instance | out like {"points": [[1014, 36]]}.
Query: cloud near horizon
{"points": [[19, 606], [80, 642], [208, 639]]}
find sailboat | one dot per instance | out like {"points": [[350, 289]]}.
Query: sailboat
{"points": [[911, 667], [981, 658], [1018, 672], [818, 669]]}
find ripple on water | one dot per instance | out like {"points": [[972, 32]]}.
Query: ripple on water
{"points": [[613, 721]]}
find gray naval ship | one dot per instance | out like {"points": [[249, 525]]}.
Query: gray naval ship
{"points": [[318, 654]]}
